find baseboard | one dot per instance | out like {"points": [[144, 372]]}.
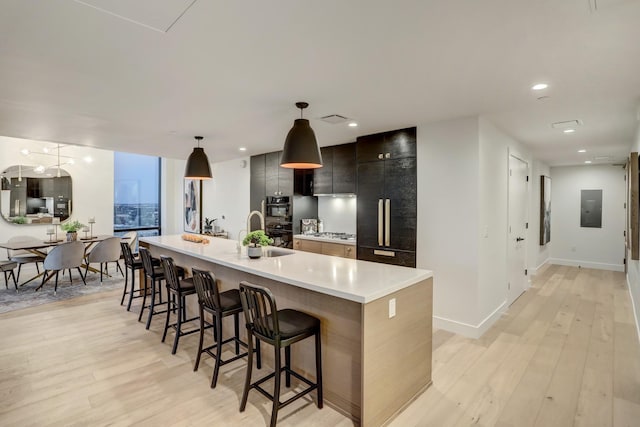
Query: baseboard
{"points": [[587, 264], [467, 330], [535, 269], [633, 305]]}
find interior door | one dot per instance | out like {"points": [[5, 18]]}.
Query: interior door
{"points": [[516, 256]]}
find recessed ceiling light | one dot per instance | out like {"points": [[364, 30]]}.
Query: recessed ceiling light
{"points": [[45, 149], [588, 162], [242, 148], [582, 151], [539, 86], [25, 151], [88, 159], [353, 125], [569, 130]]}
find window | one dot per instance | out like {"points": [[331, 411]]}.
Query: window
{"points": [[136, 194]]}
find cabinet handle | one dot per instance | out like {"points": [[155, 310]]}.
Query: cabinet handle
{"points": [[387, 223], [380, 214], [380, 156], [384, 253], [387, 156]]}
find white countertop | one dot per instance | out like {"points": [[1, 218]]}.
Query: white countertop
{"points": [[350, 279], [351, 242]]}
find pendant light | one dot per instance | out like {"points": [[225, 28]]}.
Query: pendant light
{"points": [[198, 164], [301, 148]]}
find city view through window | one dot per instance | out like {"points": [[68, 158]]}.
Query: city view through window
{"points": [[136, 194]]}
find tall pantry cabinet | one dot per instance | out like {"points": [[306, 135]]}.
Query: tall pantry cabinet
{"points": [[387, 197]]}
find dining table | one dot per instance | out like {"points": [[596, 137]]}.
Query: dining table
{"points": [[39, 249]]}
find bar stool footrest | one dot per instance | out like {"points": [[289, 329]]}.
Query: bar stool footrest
{"points": [[311, 386]]}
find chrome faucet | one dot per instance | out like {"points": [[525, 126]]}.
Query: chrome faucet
{"points": [[251, 214]]}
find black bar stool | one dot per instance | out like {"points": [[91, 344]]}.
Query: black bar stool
{"points": [[219, 305], [155, 273], [280, 328], [134, 264], [178, 289]]}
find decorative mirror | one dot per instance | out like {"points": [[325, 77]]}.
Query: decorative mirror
{"points": [[35, 195]]}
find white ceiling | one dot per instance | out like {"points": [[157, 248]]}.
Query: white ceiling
{"points": [[146, 76]]}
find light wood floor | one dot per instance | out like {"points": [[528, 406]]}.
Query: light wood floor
{"points": [[565, 354]]}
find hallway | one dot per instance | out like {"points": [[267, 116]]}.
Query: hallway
{"points": [[566, 353]]}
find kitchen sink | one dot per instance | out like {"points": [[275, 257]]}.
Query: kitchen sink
{"points": [[272, 253]]}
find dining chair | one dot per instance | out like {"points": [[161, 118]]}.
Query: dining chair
{"points": [[7, 267], [21, 256], [104, 252], [63, 257]]}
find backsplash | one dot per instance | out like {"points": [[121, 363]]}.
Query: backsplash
{"points": [[338, 214]]}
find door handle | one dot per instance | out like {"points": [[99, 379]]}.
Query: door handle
{"points": [[519, 239], [387, 222], [380, 213]]}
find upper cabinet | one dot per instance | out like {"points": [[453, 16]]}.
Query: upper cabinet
{"points": [[397, 144], [338, 172], [278, 181]]}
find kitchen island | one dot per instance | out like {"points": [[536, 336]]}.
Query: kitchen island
{"points": [[376, 318]]}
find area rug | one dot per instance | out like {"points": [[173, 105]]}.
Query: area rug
{"points": [[28, 297]]}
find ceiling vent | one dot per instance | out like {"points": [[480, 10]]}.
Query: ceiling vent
{"points": [[334, 119], [569, 124]]}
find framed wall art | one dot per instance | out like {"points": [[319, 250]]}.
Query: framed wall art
{"points": [[545, 210], [192, 221], [633, 202]]}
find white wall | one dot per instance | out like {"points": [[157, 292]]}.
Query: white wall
{"points": [[538, 255], [633, 267], [227, 194], [493, 187], [463, 219], [338, 214], [92, 192], [447, 244], [588, 247]]}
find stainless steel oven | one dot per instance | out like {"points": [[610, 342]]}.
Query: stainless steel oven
{"points": [[278, 223], [278, 206]]}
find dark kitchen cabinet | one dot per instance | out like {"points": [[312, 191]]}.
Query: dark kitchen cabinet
{"points": [[278, 180], [388, 145], [62, 187], [387, 197], [323, 177], [33, 187], [338, 173], [257, 182]]}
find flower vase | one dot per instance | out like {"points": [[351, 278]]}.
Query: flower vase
{"points": [[72, 236]]}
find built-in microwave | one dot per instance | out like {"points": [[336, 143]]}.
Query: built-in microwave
{"points": [[278, 206]]}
